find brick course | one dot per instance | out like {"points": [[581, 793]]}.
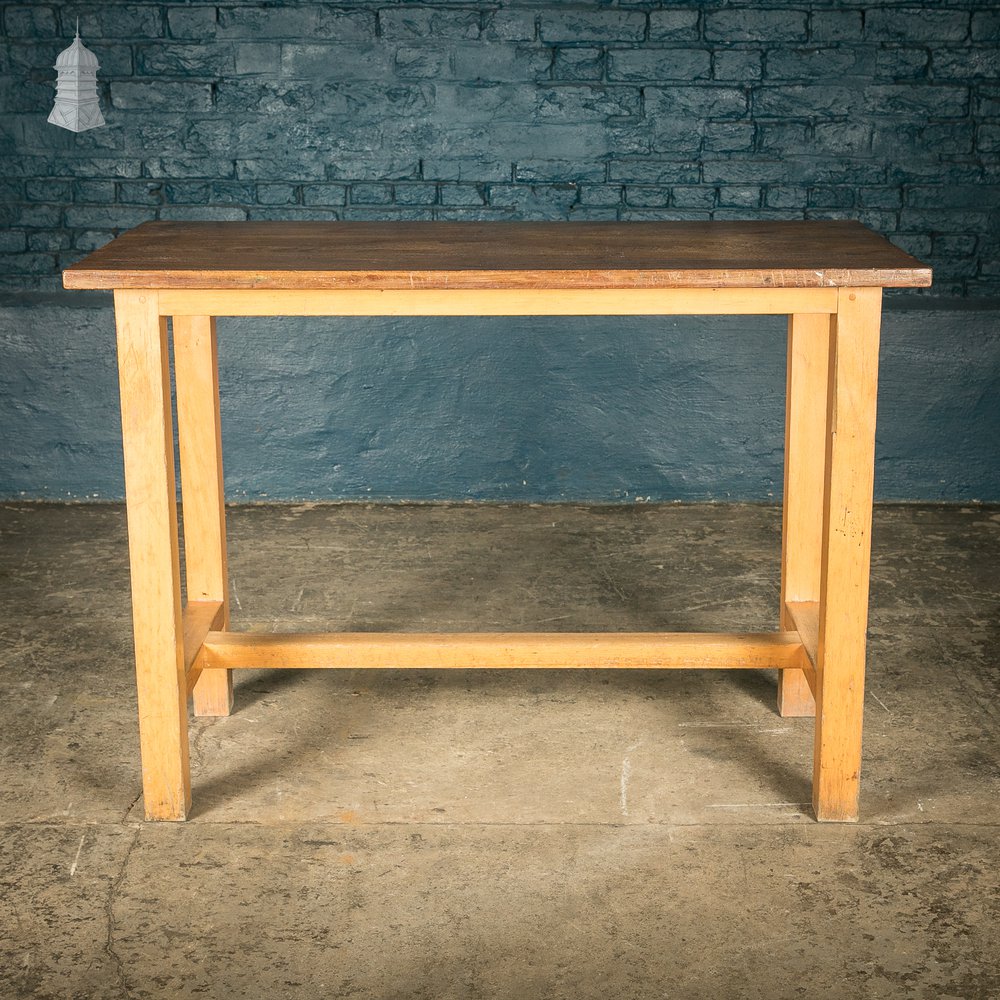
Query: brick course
{"points": [[474, 110]]}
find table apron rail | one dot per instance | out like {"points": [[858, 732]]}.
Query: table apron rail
{"points": [[495, 651], [496, 302]]}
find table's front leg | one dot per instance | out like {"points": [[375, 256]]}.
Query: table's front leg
{"points": [[846, 553], [147, 436], [199, 432]]}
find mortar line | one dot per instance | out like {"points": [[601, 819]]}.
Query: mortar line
{"points": [[109, 913]]}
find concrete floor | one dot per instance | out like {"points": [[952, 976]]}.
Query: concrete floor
{"points": [[510, 835]]}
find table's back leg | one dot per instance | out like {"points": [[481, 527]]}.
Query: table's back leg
{"points": [[147, 434], [807, 375], [199, 431], [846, 557]]}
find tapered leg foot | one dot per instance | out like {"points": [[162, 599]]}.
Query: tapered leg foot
{"points": [[795, 699]]}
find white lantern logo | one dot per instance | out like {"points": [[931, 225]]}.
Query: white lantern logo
{"points": [[76, 106]]}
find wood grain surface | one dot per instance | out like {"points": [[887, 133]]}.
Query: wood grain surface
{"points": [[384, 255]]}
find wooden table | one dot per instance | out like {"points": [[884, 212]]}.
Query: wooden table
{"points": [[827, 277]]}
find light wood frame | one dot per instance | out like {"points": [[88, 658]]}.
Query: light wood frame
{"points": [[180, 651]]}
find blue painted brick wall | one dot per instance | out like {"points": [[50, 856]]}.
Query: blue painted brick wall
{"points": [[889, 113], [886, 112]]}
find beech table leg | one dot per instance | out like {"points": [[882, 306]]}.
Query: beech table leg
{"points": [[199, 431], [807, 375], [147, 435], [846, 553]]}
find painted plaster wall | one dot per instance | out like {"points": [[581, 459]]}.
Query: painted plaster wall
{"points": [[677, 408], [885, 112]]}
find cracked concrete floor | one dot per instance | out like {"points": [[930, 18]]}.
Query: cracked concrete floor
{"points": [[453, 835]]}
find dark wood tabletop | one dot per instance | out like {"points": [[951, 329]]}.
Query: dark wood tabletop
{"points": [[378, 255]]}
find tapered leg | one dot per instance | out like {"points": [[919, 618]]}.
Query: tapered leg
{"points": [[807, 375], [147, 435], [199, 431], [846, 553]]}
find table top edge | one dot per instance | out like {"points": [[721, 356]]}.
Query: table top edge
{"points": [[502, 254]]}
